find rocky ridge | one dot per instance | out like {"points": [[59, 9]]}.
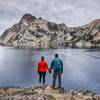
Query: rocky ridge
{"points": [[45, 93], [40, 33]]}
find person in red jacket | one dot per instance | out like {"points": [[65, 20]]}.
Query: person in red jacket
{"points": [[41, 69]]}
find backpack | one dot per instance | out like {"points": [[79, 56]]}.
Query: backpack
{"points": [[57, 64]]}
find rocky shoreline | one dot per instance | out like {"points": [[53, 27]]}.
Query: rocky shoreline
{"points": [[45, 93]]}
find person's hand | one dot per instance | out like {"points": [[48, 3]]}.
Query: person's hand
{"points": [[61, 72], [37, 71], [50, 71]]}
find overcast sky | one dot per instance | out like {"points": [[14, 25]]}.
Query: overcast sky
{"points": [[70, 12]]}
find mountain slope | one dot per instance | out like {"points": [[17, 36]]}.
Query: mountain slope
{"points": [[39, 33]]}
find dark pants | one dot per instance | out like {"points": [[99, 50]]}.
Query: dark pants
{"points": [[42, 76], [55, 75]]}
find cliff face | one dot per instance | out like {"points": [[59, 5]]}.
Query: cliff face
{"points": [[39, 33]]}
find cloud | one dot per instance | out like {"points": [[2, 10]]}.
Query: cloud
{"points": [[70, 12]]}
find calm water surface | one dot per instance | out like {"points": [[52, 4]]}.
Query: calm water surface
{"points": [[81, 67]]}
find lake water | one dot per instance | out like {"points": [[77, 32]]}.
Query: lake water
{"points": [[81, 67]]}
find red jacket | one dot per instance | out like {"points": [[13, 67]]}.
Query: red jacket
{"points": [[42, 66]]}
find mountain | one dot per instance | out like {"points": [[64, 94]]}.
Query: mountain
{"points": [[40, 33]]}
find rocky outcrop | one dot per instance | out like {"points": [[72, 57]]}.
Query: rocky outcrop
{"points": [[39, 33], [45, 93]]}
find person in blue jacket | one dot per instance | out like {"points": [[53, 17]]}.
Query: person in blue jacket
{"points": [[57, 67]]}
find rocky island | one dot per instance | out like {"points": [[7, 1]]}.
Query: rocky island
{"points": [[45, 93], [40, 33]]}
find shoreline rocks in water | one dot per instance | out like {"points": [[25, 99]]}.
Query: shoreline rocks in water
{"points": [[45, 93]]}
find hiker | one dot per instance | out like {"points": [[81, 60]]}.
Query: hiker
{"points": [[57, 67], [41, 69]]}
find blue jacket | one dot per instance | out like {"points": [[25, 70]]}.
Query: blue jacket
{"points": [[53, 66]]}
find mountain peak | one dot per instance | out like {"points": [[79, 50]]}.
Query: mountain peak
{"points": [[28, 17]]}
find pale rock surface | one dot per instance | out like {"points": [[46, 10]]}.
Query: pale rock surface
{"points": [[39, 33]]}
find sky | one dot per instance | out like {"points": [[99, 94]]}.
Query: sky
{"points": [[71, 12]]}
